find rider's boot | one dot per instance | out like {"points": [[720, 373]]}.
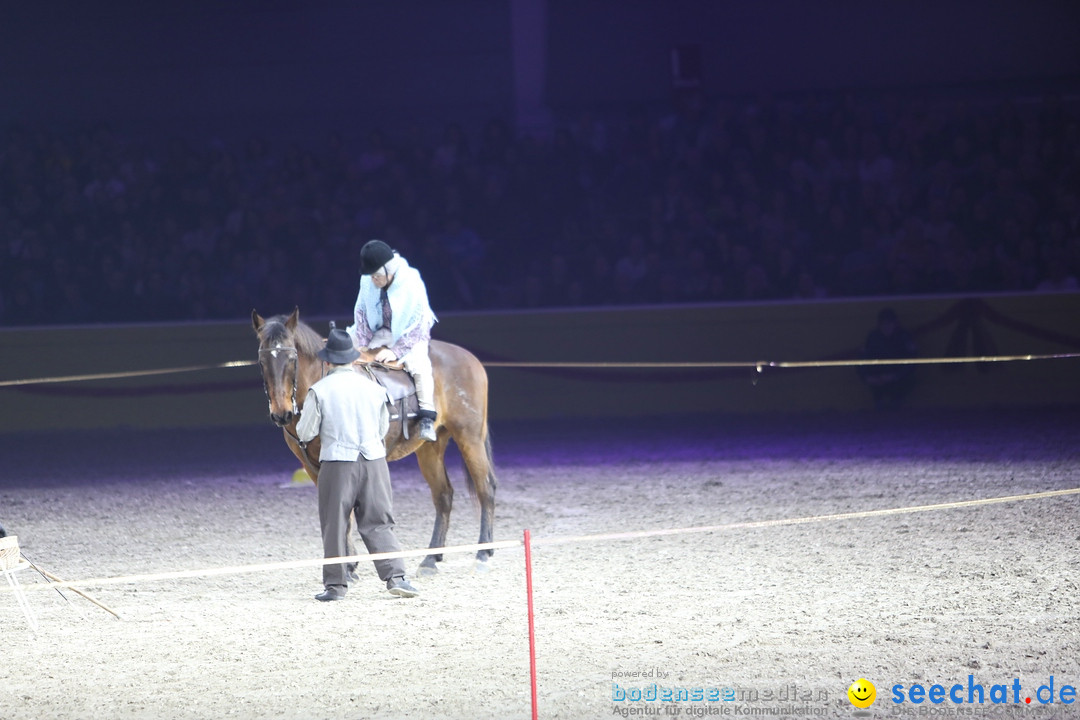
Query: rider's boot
{"points": [[425, 392]]}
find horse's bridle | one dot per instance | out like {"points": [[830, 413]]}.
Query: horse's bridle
{"points": [[294, 363]]}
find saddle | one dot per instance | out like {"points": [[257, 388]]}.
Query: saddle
{"points": [[399, 387]]}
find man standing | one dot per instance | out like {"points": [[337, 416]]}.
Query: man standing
{"points": [[348, 412], [888, 340], [392, 313]]}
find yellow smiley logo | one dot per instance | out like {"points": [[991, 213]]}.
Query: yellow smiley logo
{"points": [[862, 693]]}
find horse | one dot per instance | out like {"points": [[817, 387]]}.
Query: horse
{"points": [[290, 366]]}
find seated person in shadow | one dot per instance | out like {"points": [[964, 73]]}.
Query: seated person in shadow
{"points": [[889, 384]]}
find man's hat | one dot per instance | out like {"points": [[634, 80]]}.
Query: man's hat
{"points": [[339, 349], [373, 256]]}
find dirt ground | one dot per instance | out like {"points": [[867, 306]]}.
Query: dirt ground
{"points": [[763, 620]]}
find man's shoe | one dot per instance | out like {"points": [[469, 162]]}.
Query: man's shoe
{"points": [[427, 429], [400, 587], [330, 593]]}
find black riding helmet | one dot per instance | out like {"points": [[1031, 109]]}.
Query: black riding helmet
{"points": [[373, 256]]}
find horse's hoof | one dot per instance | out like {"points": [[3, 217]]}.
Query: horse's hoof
{"points": [[426, 570], [481, 567]]}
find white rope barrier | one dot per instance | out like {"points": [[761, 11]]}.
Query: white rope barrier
{"points": [[756, 524], [129, 374], [554, 540], [758, 365], [285, 565]]}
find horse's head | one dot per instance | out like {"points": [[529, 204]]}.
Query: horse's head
{"points": [[279, 361]]}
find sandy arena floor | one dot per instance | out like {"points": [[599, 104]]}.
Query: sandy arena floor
{"points": [[771, 619]]}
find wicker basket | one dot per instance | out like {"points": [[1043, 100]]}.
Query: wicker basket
{"points": [[9, 553]]}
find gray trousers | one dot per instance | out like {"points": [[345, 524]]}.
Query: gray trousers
{"points": [[362, 486]]}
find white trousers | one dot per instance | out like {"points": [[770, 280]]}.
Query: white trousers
{"points": [[418, 364]]}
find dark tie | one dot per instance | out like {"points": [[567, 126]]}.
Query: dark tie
{"points": [[385, 300]]}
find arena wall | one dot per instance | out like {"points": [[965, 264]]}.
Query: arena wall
{"points": [[731, 333]]}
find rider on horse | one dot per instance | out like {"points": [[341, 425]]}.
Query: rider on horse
{"points": [[392, 315]]}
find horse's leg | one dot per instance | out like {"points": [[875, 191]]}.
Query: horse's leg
{"points": [[431, 457], [3, 532], [481, 469], [304, 455]]}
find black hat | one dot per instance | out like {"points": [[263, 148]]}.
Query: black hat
{"points": [[339, 349], [373, 256]]}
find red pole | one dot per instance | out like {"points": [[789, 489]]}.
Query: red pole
{"points": [[532, 630]]}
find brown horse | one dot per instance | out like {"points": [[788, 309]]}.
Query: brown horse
{"points": [[287, 356]]}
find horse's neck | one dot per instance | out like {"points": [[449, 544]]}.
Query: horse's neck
{"points": [[309, 372]]}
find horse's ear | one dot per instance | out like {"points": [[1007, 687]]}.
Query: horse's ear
{"points": [[293, 319], [256, 320]]}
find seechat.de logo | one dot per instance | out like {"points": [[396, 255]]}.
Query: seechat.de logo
{"points": [[862, 693]]}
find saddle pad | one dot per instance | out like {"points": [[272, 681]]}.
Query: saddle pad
{"points": [[398, 383]]}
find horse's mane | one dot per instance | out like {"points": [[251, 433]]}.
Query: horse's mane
{"points": [[307, 341]]}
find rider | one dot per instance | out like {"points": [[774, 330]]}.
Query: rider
{"points": [[392, 314]]}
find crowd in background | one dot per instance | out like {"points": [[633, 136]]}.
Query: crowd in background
{"points": [[826, 196]]}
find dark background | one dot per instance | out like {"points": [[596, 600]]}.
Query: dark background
{"points": [[190, 161], [304, 67]]}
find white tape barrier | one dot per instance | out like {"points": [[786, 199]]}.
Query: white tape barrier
{"points": [[555, 540]]}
